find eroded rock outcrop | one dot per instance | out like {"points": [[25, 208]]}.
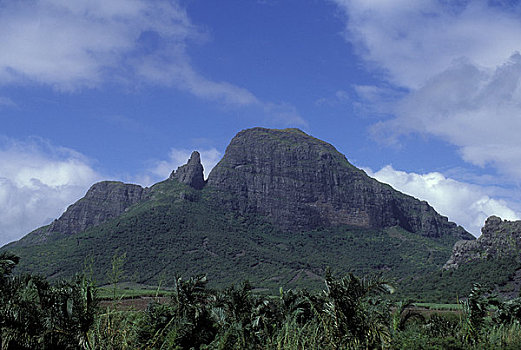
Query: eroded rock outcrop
{"points": [[297, 181], [499, 238], [300, 182], [109, 199], [191, 173], [104, 200]]}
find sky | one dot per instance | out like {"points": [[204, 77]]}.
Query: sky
{"points": [[423, 95]]}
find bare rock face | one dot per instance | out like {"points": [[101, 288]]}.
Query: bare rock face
{"points": [[300, 182], [499, 238], [104, 200], [109, 199], [191, 173]]}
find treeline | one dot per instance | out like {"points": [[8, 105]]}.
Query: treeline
{"points": [[350, 313]]}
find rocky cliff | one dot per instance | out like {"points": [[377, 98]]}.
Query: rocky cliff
{"points": [[499, 239], [300, 182], [104, 200], [222, 227], [109, 199]]}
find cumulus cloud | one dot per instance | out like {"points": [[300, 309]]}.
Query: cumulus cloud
{"points": [[464, 203], [37, 183], [460, 67], [476, 109], [413, 41]]}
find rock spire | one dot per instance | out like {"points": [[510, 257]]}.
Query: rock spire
{"points": [[191, 173]]}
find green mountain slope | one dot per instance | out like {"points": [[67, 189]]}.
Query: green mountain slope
{"points": [[179, 231], [279, 208]]}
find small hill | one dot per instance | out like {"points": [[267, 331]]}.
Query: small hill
{"points": [[279, 208], [493, 259], [499, 239]]}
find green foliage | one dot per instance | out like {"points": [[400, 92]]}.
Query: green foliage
{"points": [[116, 273], [8, 261], [183, 323], [180, 231], [447, 286], [37, 315], [351, 313], [356, 313]]}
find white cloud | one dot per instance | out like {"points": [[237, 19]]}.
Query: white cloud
{"points": [[460, 64], [413, 41], [181, 74], [339, 97], [178, 71], [476, 109], [160, 170], [71, 45], [37, 183], [466, 204]]}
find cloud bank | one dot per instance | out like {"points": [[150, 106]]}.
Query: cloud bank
{"points": [[460, 65], [414, 41], [466, 204], [37, 183]]}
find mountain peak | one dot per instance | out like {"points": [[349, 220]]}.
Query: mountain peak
{"points": [[191, 173], [269, 184], [300, 182]]}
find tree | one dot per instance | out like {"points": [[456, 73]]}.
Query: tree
{"points": [[8, 261], [356, 313], [37, 315]]}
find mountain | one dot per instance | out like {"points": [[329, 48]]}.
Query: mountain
{"points": [[104, 201], [493, 261], [302, 183], [497, 251], [279, 208]]}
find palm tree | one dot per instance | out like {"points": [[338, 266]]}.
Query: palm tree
{"points": [[402, 314], [356, 315], [8, 261], [35, 315], [233, 313], [185, 322]]}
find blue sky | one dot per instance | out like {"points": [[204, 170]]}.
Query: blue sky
{"points": [[423, 95]]}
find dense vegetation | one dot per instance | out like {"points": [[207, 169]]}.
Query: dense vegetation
{"points": [[499, 274], [238, 232], [37, 315], [179, 231], [350, 313]]}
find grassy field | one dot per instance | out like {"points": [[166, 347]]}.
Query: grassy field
{"points": [[131, 290], [442, 307], [146, 292]]}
